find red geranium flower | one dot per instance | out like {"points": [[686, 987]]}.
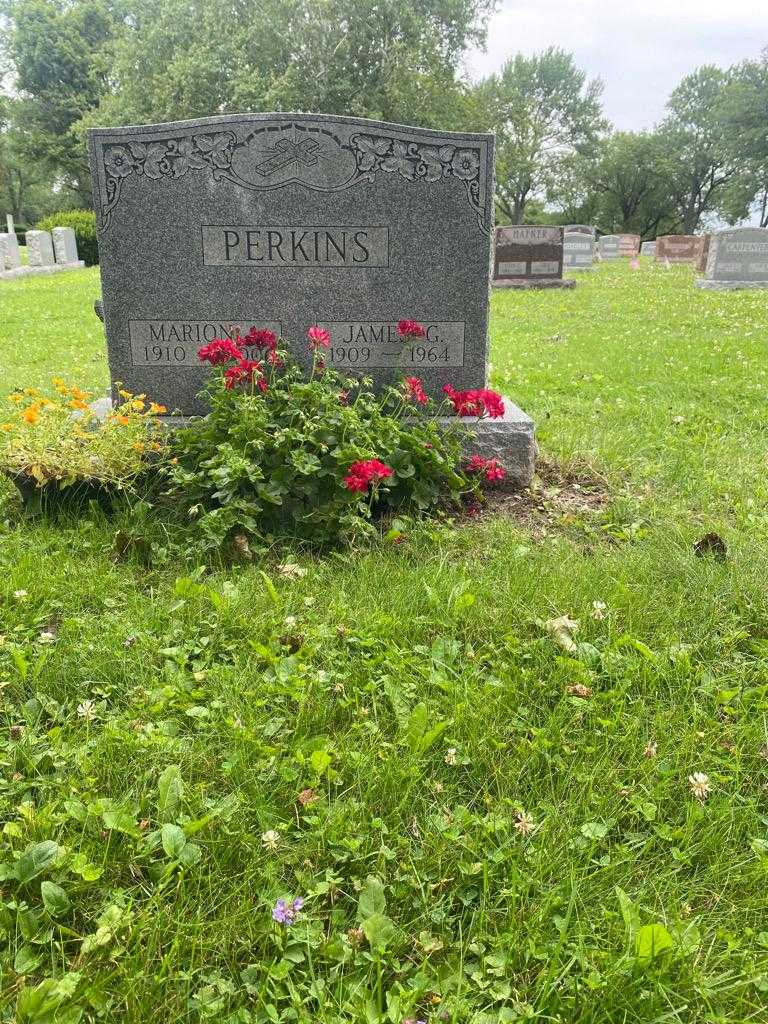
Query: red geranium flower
{"points": [[220, 350], [318, 337], [414, 389], [244, 373], [364, 472], [275, 359], [475, 402], [261, 338], [490, 468], [410, 329]]}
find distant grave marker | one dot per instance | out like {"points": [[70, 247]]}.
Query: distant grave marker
{"points": [[39, 249], [65, 247], [738, 258], [679, 248], [578, 251], [648, 249], [529, 256]]}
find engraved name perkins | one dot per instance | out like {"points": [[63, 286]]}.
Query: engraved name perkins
{"points": [[295, 246]]}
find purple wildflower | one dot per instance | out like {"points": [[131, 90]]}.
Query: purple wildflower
{"points": [[285, 913]]}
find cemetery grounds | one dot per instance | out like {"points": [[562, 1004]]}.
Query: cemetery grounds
{"points": [[473, 750]]}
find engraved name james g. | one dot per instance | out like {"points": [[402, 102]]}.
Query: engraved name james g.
{"points": [[295, 245], [377, 344]]}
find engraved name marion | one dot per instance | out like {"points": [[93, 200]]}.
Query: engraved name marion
{"points": [[294, 246], [175, 342]]}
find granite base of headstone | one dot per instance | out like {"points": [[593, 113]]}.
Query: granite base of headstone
{"points": [[737, 260], [529, 257], [207, 227]]}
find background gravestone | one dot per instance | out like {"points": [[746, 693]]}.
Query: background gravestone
{"points": [[12, 254], [608, 247], [581, 229], [65, 247], [738, 258], [701, 262], [679, 248], [629, 245], [578, 251], [648, 249], [209, 226], [529, 256], [39, 249]]}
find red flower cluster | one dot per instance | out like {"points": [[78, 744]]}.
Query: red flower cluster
{"points": [[414, 389], [318, 337], [490, 468], [364, 472], [244, 372], [410, 329], [261, 339], [218, 351], [476, 402]]}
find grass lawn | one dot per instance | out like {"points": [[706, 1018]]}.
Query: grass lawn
{"points": [[496, 822]]}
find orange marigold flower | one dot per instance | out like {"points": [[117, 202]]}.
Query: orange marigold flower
{"points": [[122, 420], [80, 395], [77, 403], [31, 415], [138, 446], [157, 409]]}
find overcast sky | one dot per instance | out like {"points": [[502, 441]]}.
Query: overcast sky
{"points": [[641, 49]]}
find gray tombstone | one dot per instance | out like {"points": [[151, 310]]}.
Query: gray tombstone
{"points": [[11, 248], [648, 249], [578, 251], [529, 256], [609, 247], [3, 254], [737, 258], [207, 227], [65, 247], [39, 249], [581, 229]]}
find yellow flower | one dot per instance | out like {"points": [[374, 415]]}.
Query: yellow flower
{"points": [[31, 415], [137, 405], [125, 394], [16, 397], [7, 427], [138, 446], [156, 409], [58, 382], [32, 392]]}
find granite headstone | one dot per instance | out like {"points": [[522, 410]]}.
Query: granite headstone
{"points": [[529, 256], [65, 247], [648, 249], [679, 248], [12, 254], [701, 262], [738, 258], [581, 229], [207, 227], [608, 247], [578, 251], [629, 245], [39, 249]]}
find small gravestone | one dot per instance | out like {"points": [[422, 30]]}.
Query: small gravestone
{"points": [[39, 249], [701, 262], [648, 249], [528, 256], [208, 227], [679, 248], [581, 229], [629, 245], [65, 247], [578, 251], [608, 247], [738, 258], [11, 248]]}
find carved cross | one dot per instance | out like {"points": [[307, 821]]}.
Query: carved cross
{"points": [[286, 152]]}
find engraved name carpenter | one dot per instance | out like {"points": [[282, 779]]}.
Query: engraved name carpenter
{"points": [[357, 344], [245, 245], [175, 342]]}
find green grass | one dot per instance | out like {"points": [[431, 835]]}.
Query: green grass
{"points": [[359, 678]]}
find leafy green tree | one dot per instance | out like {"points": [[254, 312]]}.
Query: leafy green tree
{"points": [[58, 51], [746, 108], [543, 111], [631, 184], [696, 135], [385, 59]]}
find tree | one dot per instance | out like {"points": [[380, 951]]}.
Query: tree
{"points": [[745, 105], [58, 51], [695, 133], [543, 111], [384, 59], [631, 180]]}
